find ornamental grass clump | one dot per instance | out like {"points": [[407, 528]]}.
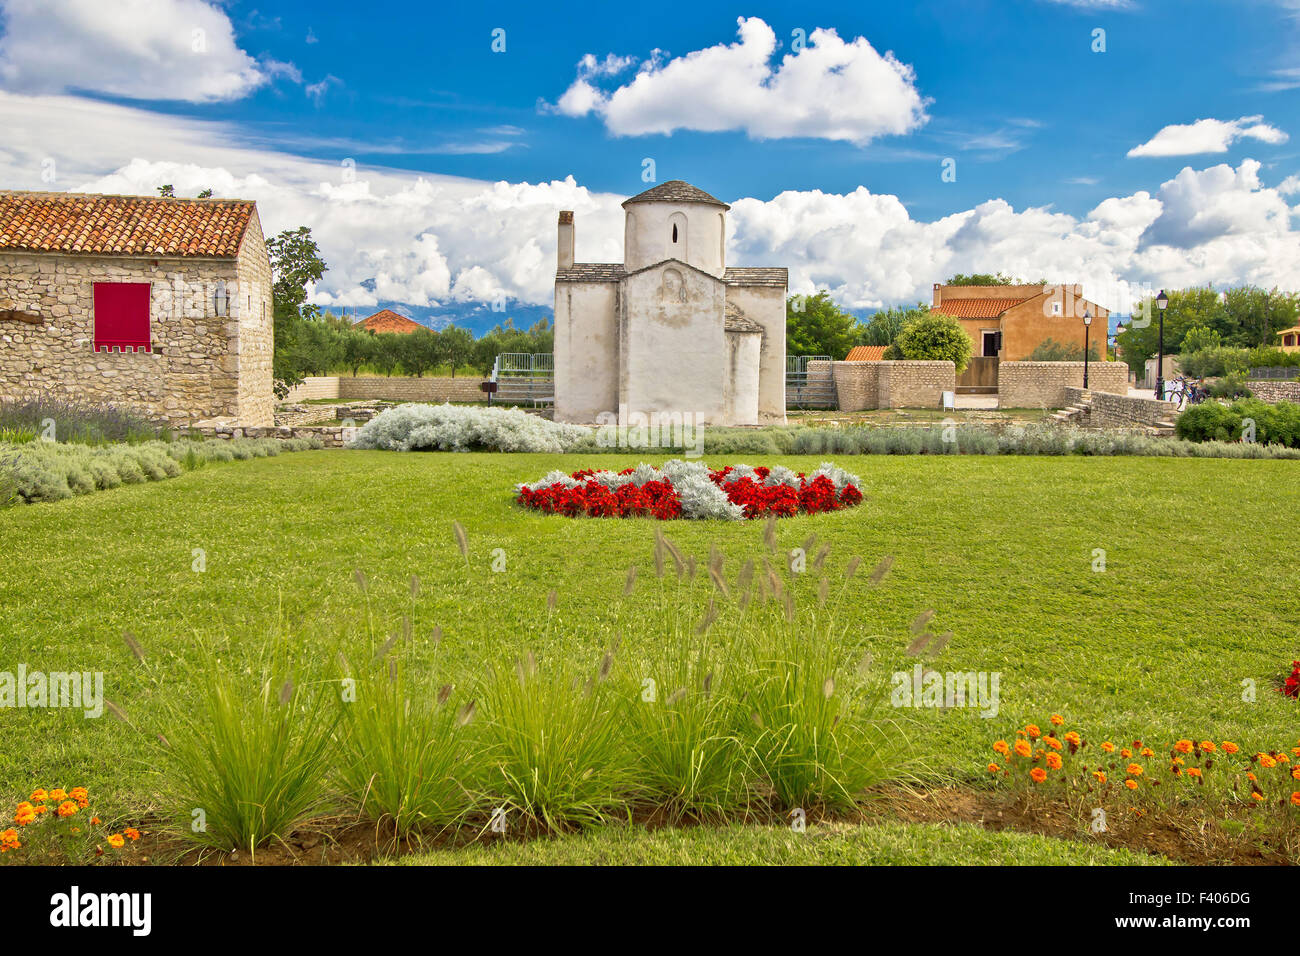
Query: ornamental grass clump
{"points": [[403, 755], [247, 761]]}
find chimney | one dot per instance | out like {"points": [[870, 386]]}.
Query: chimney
{"points": [[565, 245]]}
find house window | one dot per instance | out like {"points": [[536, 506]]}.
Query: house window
{"points": [[1288, 340], [121, 316], [991, 343]]}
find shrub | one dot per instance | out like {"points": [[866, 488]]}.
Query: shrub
{"points": [[1232, 385], [1213, 421], [462, 428], [1213, 362], [1049, 350], [935, 337], [75, 422]]}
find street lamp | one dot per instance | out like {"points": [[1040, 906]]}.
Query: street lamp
{"points": [[1087, 322], [1162, 303]]}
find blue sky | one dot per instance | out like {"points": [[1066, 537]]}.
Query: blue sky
{"points": [[1039, 124]]}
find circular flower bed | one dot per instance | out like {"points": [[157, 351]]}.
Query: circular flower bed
{"points": [[684, 489]]}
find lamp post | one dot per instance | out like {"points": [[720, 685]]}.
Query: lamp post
{"points": [[1087, 323], [1162, 303]]}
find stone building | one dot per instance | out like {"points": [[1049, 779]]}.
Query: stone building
{"points": [[159, 305], [671, 329], [1010, 321]]}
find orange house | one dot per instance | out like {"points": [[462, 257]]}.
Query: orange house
{"points": [[1289, 339], [1010, 321]]}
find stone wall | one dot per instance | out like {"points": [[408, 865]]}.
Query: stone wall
{"points": [[462, 388], [313, 387], [202, 365], [331, 436], [1044, 384], [1112, 411], [862, 385], [1275, 391]]}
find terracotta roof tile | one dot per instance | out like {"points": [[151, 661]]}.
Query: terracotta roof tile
{"points": [[866, 353], [86, 224], [386, 320], [976, 308]]}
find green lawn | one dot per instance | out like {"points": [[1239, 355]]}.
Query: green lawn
{"points": [[1198, 594], [886, 844]]}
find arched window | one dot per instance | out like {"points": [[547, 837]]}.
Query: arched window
{"points": [[677, 236], [674, 232]]}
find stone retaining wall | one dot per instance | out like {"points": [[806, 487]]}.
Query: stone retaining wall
{"points": [[907, 384], [1044, 384], [396, 388], [1275, 391], [1110, 410], [331, 436]]}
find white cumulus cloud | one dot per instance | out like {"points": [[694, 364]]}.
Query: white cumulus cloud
{"points": [[142, 49], [1208, 136], [827, 88]]}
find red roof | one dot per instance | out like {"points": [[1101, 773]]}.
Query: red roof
{"points": [[386, 320], [976, 308], [88, 224], [866, 353]]}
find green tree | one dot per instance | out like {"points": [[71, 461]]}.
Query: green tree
{"points": [[989, 278], [935, 337], [358, 347], [883, 327], [421, 351], [457, 347], [1199, 338], [295, 263], [814, 325], [1050, 350]]}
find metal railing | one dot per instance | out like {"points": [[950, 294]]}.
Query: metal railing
{"points": [[525, 377], [809, 382]]}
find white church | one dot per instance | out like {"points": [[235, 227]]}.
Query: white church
{"points": [[670, 329]]}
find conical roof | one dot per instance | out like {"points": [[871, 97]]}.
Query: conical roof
{"points": [[676, 190]]}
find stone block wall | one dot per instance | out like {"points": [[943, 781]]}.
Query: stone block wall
{"points": [[1275, 391], [1119, 411], [202, 365], [862, 385], [911, 384], [314, 387], [1044, 384], [406, 389]]}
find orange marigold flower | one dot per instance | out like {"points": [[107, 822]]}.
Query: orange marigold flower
{"points": [[1032, 730], [1193, 771], [1001, 747], [1131, 784], [131, 833], [79, 793], [993, 768], [1266, 761], [1184, 746], [1039, 774], [57, 794], [1257, 796], [1057, 719], [1148, 752], [1295, 799], [1229, 747], [67, 808], [1054, 761], [38, 796], [116, 841], [1178, 761], [1072, 737], [1251, 777], [41, 809], [1101, 777], [94, 821], [1023, 749], [1207, 746], [1052, 742], [24, 817], [1283, 758], [9, 836], [1126, 753], [1134, 769], [1108, 747], [1295, 773]]}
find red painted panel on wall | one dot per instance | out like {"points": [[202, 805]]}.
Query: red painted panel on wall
{"points": [[122, 316]]}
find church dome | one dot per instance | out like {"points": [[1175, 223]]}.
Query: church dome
{"points": [[675, 220]]}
